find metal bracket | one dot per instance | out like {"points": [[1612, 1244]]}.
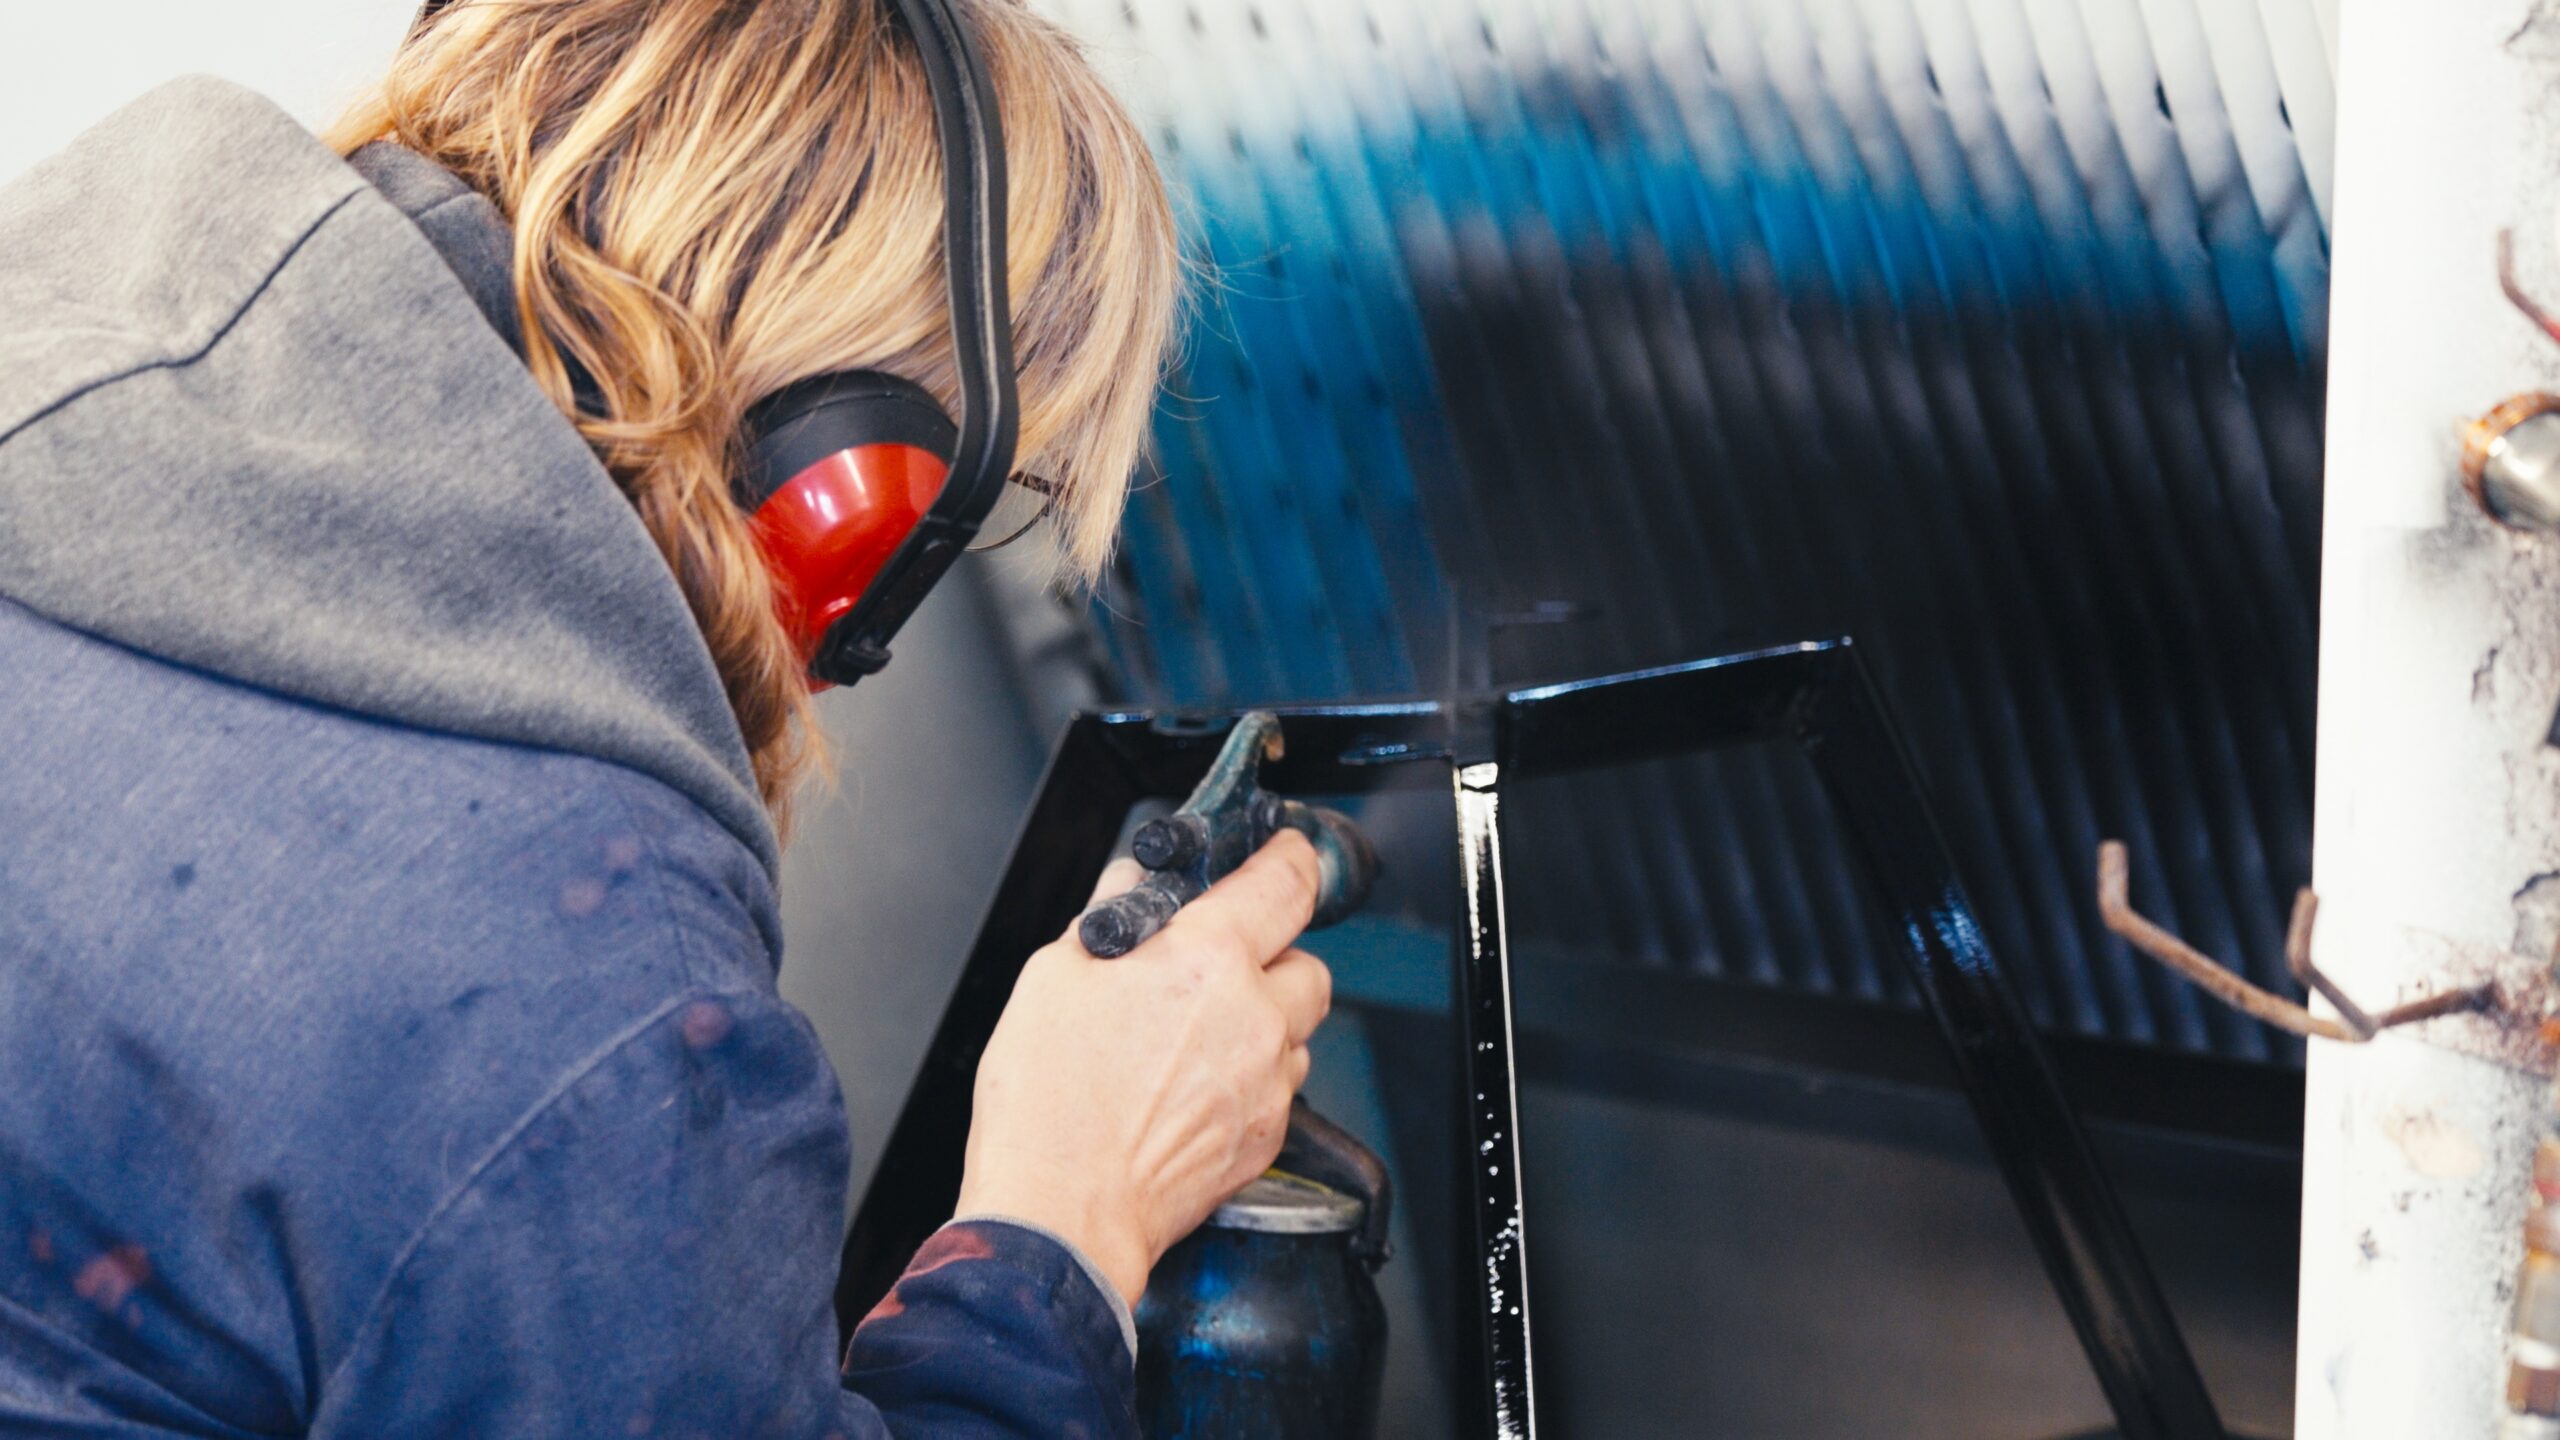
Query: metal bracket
{"points": [[2496, 1006], [1817, 695], [2515, 291]]}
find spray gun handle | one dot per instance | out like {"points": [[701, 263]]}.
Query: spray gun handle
{"points": [[1226, 819]]}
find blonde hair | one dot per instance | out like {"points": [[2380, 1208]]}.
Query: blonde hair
{"points": [[712, 199]]}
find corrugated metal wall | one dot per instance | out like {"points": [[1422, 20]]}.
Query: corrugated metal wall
{"points": [[1554, 337]]}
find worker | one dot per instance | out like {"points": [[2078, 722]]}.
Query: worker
{"points": [[398, 724]]}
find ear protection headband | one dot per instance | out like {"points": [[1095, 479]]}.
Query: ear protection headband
{"points": [[862, 491], [841, 470]]}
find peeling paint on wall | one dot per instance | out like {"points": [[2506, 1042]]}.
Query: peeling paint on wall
{"points": [[2437, 831]]}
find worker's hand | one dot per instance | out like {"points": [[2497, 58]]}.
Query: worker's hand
{"points": [[1120, 1101]]}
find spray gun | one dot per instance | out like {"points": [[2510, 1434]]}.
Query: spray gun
{"points": [[1228, 817], [1263, 1321]]}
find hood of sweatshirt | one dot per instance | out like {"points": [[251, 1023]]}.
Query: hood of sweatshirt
{"points": [[254, 421]]}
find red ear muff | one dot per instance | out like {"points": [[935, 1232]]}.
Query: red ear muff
{"points": [[840, 470], [828, 531], [826, 546]]}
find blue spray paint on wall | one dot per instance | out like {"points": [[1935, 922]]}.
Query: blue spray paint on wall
{"points": [[1992, 333]]}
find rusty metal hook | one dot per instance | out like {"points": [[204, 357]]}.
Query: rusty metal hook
{"points": [[2353, 1025], [2515, 291]]}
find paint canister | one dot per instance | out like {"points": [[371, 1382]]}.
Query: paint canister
{"points": [[1264, 1323]]}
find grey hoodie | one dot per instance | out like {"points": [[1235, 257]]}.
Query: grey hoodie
{"points": [[249, 423]]}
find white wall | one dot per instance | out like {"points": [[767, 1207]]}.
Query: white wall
{"points": [[65, 63], [2438, 656]]}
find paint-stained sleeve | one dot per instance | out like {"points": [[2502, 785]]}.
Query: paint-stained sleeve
{"points": [[652, 1252], [997, 1314]]}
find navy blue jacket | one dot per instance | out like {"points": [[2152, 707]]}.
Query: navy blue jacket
{"points": [[389, 1043]]}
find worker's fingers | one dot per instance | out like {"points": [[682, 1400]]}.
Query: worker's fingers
{"points": [[1295, 1066], [1119, 876], [1303, 989], [1262, 905]]}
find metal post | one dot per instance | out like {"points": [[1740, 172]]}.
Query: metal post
{"points": [[1499, 1272], [2070, 1209], [1820, 694]]}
